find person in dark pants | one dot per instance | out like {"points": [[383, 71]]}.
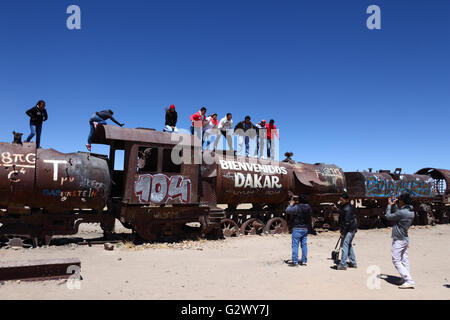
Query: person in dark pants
{"points": [[99, 118], [348, 228], [244, 130], [171, 120], [272, 131], [301, 214], [38, 114]]}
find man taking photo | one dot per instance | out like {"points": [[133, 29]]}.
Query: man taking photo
{"points": [[403, 216]]}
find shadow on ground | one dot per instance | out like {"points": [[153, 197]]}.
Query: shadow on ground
{"points": [[391, 279]]}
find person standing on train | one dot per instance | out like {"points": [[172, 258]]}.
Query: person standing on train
{"points": [[403, 216], [38, 115], [271, 133], [300, 211], [225, 128], [197, 123], [261, 134], [210, 129], [244, 130]]}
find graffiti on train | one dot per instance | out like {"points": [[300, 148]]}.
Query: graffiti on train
{"points": [[377, 187], [160, 188]]}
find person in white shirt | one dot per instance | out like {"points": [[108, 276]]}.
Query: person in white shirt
{"points": [[210, 129], [225, 127]]}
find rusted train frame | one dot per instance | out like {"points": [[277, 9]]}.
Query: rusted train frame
{"points": [[160, 220]]}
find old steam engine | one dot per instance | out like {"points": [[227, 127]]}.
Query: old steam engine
{"points": [[45, 193]]}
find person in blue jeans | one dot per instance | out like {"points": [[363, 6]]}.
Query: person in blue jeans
{"points": [[99, 118], [38, 115], [348, 228], [300, 211]]}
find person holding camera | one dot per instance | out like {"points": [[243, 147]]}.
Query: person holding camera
{"points": [[403, 216], [301, 214], [348, 228]]}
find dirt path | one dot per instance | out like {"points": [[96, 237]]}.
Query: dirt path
{"points": [[245, 268]]}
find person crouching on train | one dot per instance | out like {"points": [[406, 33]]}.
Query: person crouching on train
{"points": [[171, 120], [403, 216], [301, 215], [348, 228]]}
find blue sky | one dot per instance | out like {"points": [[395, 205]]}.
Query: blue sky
{"points": [[339, 93]]}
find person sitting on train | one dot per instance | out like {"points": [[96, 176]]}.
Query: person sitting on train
{"points": [[171, 120], [99, 118], [301, 215], [197, 122]]}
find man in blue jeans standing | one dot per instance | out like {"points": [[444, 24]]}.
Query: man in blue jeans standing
{"points": [[38, 115], [348, 228], [301, 214]]}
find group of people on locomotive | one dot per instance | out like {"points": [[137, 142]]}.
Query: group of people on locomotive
{"points": [[400, 211], [204, 127], [208, 127]]}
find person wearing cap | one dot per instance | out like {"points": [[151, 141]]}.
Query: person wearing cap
{"points": [[244, 130], [198, 120], [171, 120], [99, 118], [210, 129], [225, 126], [402, 216], [260, 138], [271, 133]]}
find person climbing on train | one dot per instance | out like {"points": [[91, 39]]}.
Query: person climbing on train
{"points": [[198, 120], [171, 120], [348, 228], [300, 212], [244, 130], [271, 133], [100, 118], [210, 129], [225, 127], [403, 216], [38, 115]]}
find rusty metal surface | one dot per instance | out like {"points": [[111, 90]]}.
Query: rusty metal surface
{"points": [[105, 134], [39, 269], [439, 174], [383, 185], [318, 179], [51, 180]]}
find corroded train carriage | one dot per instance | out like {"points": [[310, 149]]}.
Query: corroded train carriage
{"points": [[168, 181]]}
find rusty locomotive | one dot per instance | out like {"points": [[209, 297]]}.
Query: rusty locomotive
{"points": [[45, 193]]}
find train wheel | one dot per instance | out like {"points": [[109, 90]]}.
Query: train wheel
{"points": [[276, 226], [229, 228], [252, 226]]}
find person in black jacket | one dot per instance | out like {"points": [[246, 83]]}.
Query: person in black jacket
{"points": [[244, 130], [99, 118], [171, 120], [348, 228], [301, 215], [37, 114]]}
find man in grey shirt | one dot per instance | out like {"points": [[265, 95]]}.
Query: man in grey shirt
{"points": [[403, 216]]}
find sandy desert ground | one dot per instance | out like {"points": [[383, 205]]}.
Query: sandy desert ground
{"points": [[242, 268]]}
